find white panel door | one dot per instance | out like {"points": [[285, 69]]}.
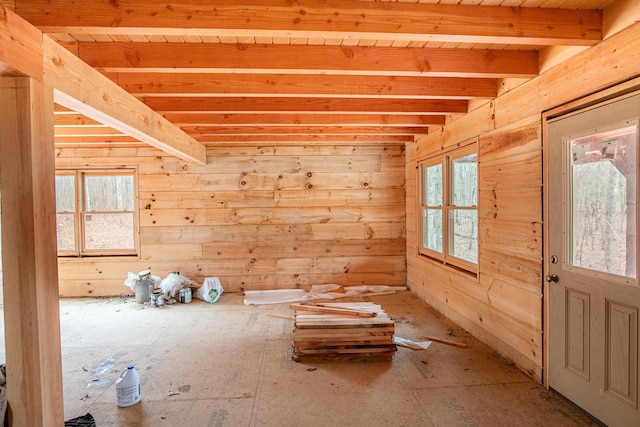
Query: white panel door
{"points": [[594, 296]]}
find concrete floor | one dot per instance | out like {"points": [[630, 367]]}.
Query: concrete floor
{"points": [[228, 364]]}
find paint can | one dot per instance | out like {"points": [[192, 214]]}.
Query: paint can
{"points": [[157, 300], [128, 387], [185, 295]]}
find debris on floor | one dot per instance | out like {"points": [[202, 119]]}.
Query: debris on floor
{"points": [[173, 284], [83, 421], [106, 365], [184, 296], [141, 285], [210, 290], [443, 341], [157, 292], [103, 375], [327, 291], [157, 300], [413, 345], [342, 331]]}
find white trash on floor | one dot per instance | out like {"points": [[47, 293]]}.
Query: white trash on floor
{"points": [[210, 290]]}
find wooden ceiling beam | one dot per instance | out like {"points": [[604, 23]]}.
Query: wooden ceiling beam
{"points": [[86, 131], [230, 105], [199, 132], [179, 84], [73, 120], [213, 119], [102, 139], [126, 141], [20, 46], [311, 139], [80, 88], [59, 110], [307, 59], [392, 21]]}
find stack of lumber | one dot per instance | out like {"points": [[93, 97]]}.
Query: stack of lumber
{"points": [[342, 331]]}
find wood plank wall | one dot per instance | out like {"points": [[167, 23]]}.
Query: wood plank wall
{"points": [[267, 217], [506, 297], [503, 306]]}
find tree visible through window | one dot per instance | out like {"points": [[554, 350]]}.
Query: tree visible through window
{"points": [[604, 195], [449, 208], [95, 212]]}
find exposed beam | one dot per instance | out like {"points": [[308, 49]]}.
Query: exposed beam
{"points": [[307, 59], [20, 46], [59, 110], [318, 19], [82, 89], [86, 131], [212, 119], [315, 139], [315, 105], [107, 139], [73, 119], [208, 84], [199, 132], [249, 139]]}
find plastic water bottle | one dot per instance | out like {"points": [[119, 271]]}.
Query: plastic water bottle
{"points": [[128, 387]]}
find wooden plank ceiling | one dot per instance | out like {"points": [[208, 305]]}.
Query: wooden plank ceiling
{"points": [[306, 70]]}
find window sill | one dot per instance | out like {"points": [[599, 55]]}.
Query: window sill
{"points": [[449, 266], [76, 258]]}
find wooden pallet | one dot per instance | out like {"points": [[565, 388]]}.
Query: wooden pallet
{"points": [[327, 336]]}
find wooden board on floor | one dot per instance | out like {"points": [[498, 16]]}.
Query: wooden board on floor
{"points": [[321, 336]]}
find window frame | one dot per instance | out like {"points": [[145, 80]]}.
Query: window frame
{"points": [[80, 213], [445, 159]]}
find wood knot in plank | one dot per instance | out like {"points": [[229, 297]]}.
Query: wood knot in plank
{"points": [[133, 58], [348, 52]]}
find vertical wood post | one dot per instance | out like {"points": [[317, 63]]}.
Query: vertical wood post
{"points": [[31, 304]]}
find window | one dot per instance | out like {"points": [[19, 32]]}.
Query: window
{"points": [[95, 212], [449, 208]]}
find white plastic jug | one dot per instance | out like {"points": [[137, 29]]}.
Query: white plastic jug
{"points": [[128, 387]]}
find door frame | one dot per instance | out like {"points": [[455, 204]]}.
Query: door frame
{"points": [[597, 98]]}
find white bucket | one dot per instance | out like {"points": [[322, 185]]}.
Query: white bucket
{"points": [[128, 387], [143, 291]]}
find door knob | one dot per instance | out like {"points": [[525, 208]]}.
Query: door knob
{"points": [[552, 278]]}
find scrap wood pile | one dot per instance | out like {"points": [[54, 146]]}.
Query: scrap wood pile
{"points": [[342, 331]]}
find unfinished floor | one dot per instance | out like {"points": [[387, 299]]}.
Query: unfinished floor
{"points": [[228, 364]]}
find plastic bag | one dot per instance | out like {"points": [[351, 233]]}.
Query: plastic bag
{"points": [[133, 279], [172, 284], [210, 290]]}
